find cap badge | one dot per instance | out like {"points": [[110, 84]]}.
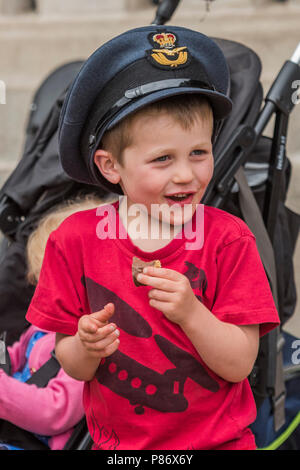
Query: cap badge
{"points": [[168, 55]]}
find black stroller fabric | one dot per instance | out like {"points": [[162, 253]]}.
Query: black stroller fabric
{"points": [[246, 92], [36, 185], [48, 92], [39, 183]]}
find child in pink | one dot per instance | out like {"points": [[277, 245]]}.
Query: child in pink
{"points": [[52, 411]]}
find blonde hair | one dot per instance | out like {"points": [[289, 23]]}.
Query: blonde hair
{"points": [[37, 240], [184, 109]]}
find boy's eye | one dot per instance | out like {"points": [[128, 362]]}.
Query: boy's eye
{"points": [[163, 158], [198, 152]]}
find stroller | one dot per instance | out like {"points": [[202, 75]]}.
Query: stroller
{"points": [[251, 180]]}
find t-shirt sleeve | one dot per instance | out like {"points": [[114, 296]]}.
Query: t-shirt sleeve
{"points": [[243, 294], [56, 304]]}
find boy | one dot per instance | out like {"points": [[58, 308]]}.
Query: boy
{"points": [[165, 364]]}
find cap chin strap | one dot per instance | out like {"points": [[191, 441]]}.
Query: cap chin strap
{"points": [[143, 90], [163, 84]]}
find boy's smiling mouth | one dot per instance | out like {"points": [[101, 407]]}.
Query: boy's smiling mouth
{"points": [[180, 198]]}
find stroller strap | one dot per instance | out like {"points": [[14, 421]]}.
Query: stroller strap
{"points": [[43, 375], [253, 217]]}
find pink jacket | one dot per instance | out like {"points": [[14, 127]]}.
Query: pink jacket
{"points": [[50, 411]]}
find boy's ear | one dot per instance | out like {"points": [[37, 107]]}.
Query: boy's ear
{"points": [[107, 165]]}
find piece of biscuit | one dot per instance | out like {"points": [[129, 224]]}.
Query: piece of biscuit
{"points": [[138, 266]]}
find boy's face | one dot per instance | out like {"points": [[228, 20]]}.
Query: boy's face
{"points": [[166, 164]]}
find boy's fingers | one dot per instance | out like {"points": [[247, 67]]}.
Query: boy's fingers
{"points": [[104, 314], [99, 333], [89, 324], [161, 295], [157, 282], [162, 273], [102, 344], [111, 348]]}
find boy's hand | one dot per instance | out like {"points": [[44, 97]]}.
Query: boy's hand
{"points": [[171, 294], [98, 337]]}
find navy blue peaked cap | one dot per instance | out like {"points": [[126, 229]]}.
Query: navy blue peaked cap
{"points": [[132, 70]]}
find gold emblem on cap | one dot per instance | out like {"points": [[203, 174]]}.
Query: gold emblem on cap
{"points": [[167, 50]]}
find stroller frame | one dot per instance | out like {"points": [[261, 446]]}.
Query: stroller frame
{"points": [[279, 101]]}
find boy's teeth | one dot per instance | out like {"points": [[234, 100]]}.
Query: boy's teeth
{"points": [[179, 196]]}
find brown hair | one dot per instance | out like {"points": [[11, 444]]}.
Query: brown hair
{"points": [[185, 109], [37, 240]]}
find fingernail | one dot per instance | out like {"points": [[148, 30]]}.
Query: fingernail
{"points": [[139, 277], [112, 327], [117, 332], [145, 270]]}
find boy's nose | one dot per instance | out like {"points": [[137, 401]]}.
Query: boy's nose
{"points": [[183, 174]]}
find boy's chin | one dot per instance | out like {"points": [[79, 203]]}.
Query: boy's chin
{"points": [[179, 216]]}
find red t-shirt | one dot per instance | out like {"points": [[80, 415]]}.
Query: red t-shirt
{"points": [[155, 392]]}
